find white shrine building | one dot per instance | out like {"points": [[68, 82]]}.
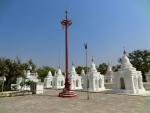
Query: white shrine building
{"points": [[75, 79], [109, 74], [48, 80], [94, 81], [128, 79], [58, 80], [29, 76]]}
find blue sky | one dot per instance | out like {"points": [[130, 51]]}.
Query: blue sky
{"points": [[31, 29]]}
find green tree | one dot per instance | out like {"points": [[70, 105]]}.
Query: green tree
{"points": [[116, 67], [43, 71], [30, 63], [15, 70], [80, 68], [140, 59], [11, 69], [102, 68]]}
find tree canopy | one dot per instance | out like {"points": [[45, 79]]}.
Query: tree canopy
{"points": [[43, 71], [140, 59], [102, 68]]}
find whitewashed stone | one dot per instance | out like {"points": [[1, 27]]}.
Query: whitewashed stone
{"points": [[29, 76], [109, 75], [94, 81], [128, 79], [39, 88], [58, 80], [48, 81], [75, 79]]}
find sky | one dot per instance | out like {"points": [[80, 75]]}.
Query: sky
{"points": [[31, 29]]}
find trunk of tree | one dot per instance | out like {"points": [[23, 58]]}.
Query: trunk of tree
{"points": [[8, 83]]}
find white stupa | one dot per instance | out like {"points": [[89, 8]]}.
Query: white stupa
{"points": [[109, 75], [48, 80], [94, 81], [58, 80], [128, 79], [75, 79], [30, 76]]}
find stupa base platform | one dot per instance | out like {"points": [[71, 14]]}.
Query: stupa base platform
{"points": [[67, 94]]}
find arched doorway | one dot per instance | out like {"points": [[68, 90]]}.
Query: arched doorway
{"points": [[122, 83]]}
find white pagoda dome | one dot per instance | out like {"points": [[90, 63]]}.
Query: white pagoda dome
{"points": [[128, 79], [82, 72], [94, 81], [75, 79], [48, 81], [93, 66], [73, 70], [109, 74], [49, 74], [59, 80], [125, 62]]}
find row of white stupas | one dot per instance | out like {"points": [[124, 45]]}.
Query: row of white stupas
{"points": [[95, 81], [126, 80]]}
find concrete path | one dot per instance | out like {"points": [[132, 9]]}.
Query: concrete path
{"points": [[98, 103]]}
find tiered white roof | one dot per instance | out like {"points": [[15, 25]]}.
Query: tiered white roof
{"points": [[125, 62], [93, 67], [49, 74], [82, 72], [73, 70]]}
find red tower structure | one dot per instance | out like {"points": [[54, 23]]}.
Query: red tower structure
{"points": [[66, 91]]}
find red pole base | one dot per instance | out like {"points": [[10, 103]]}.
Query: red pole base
{"points": [[67, 93]]}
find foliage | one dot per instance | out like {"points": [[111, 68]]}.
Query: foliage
{"points": [[116, 68], [102, 68], [140, 59], [12, 69], [30, 62], [43, 71], [28, 83], [80, 68]]}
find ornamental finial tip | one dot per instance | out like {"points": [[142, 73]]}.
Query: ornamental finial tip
{"points": [[66, 13], [124, 52], [92, 59], [72, 63]]}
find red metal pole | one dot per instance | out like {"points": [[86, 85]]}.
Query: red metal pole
{"points": [[66, 52], [66, 91]]}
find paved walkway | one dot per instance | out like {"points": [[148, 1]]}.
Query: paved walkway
{"points": [[98, 103]]}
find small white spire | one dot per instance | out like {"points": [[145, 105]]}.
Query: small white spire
{"points": [[125, 61], [30, 67], [49, 74], [109, 68], [59, 72], [73, 70], [93, 66], [82, 72]]}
